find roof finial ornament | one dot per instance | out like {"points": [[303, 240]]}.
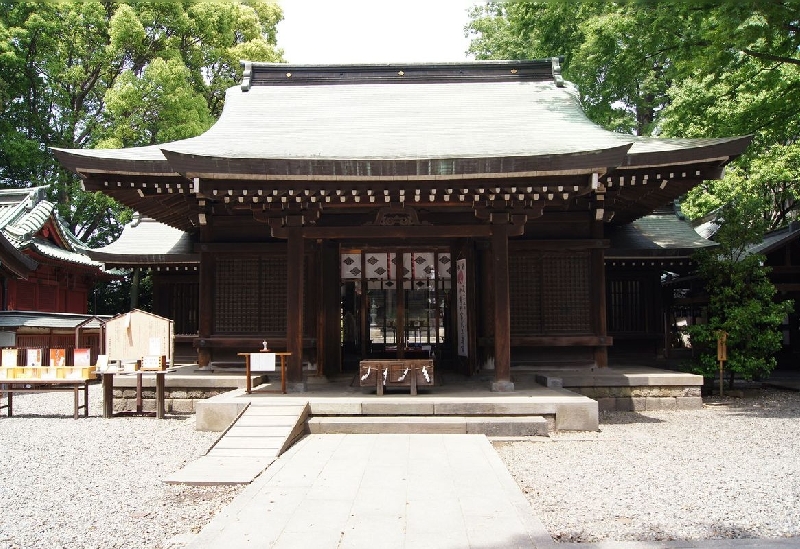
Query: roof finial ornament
{"points": [[559, 80], [247, 69]]}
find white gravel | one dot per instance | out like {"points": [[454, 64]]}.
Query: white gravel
{"points": [[729, 470], [97, 483]]}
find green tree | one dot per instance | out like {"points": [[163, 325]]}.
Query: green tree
{"points": [[70, 73], [740, 301]]}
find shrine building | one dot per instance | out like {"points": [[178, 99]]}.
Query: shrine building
{"points": [[465, 211]]}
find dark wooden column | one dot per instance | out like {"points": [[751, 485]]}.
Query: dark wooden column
{"points": [[330, 313], [502, 304], [598, 293], [294, 304], [205, 323], [400, 317], [135, 278]]}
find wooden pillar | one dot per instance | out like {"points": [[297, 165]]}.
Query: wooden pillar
{"points": [[598, 293], [502, 305], [400, 320], [294, 304], [135, 278], [598, 281], [330, 336], [205, 306]]}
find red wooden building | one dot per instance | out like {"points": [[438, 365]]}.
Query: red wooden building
{"points": [[49, 269], [460, 209], [45, 276]]}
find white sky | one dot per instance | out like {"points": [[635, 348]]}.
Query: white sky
{"points": [[373, 31]]}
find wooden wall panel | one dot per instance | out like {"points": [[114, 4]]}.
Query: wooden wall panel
{"points": [[550, 292]]}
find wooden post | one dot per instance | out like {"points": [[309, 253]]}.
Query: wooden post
{"points": [[722, 355], [400, 319], [502, 302], [598, 293], [597, 281], [205, 305], [294, 304], [135, 287], [330, 336]]}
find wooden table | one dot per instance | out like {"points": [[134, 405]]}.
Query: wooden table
{"points": [[9, 387], [108, 390], [248, 383]]}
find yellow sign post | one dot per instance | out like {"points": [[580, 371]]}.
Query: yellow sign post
{"points": [[722, 354]]}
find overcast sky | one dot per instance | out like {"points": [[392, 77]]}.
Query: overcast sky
{"points": [[373, 31]]}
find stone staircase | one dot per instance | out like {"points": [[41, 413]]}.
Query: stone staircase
{"points": [[493, 426]]}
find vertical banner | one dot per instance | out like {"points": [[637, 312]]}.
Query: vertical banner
{"points": [[461, 307]]}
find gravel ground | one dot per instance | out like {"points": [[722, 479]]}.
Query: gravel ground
{"points": [[96, 483], [729, 470]]}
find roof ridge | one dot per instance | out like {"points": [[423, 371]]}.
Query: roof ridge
{"points": [[27, 224], [279, 74]]}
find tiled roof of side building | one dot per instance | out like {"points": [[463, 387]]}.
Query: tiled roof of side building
{"points": [[23, 213], [146, 241], [653, 235], [775, 239], [35, 319]]}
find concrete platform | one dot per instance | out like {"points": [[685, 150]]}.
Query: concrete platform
{"points": [[562, 409], [388, 491]]}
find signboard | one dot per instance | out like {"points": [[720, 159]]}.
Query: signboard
{"points": [[262, 362], [462, 331]]}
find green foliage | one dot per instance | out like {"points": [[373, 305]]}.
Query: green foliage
{"points": [[80, 74], [114, 297], [740, 304], [158, 106], [741, 298]]}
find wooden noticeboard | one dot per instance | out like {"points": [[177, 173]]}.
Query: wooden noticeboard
{"points": [[131, 336]]}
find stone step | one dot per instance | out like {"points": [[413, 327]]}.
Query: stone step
{"points": [[500, 426]]}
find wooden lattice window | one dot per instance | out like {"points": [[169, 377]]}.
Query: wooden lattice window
{"points": [[550, 293], [526, 293], [626, 310], [250, 295], [566, 298]]}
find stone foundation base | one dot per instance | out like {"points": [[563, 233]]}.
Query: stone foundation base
{"points": [[641, 399], [175, 401]]}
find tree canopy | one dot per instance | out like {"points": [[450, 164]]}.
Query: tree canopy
{"points": [[677, 69], [85, 74]]}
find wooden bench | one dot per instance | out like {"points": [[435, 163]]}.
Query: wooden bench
{"points": [[38, 379], [398, 372]]}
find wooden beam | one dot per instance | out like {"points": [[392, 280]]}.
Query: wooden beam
{"points": [[389, 231], [562, 341]]}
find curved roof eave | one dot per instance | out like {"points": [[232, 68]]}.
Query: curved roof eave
{"points": [[131, 161], [331, 169], [14, 260], [656, 152]]}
